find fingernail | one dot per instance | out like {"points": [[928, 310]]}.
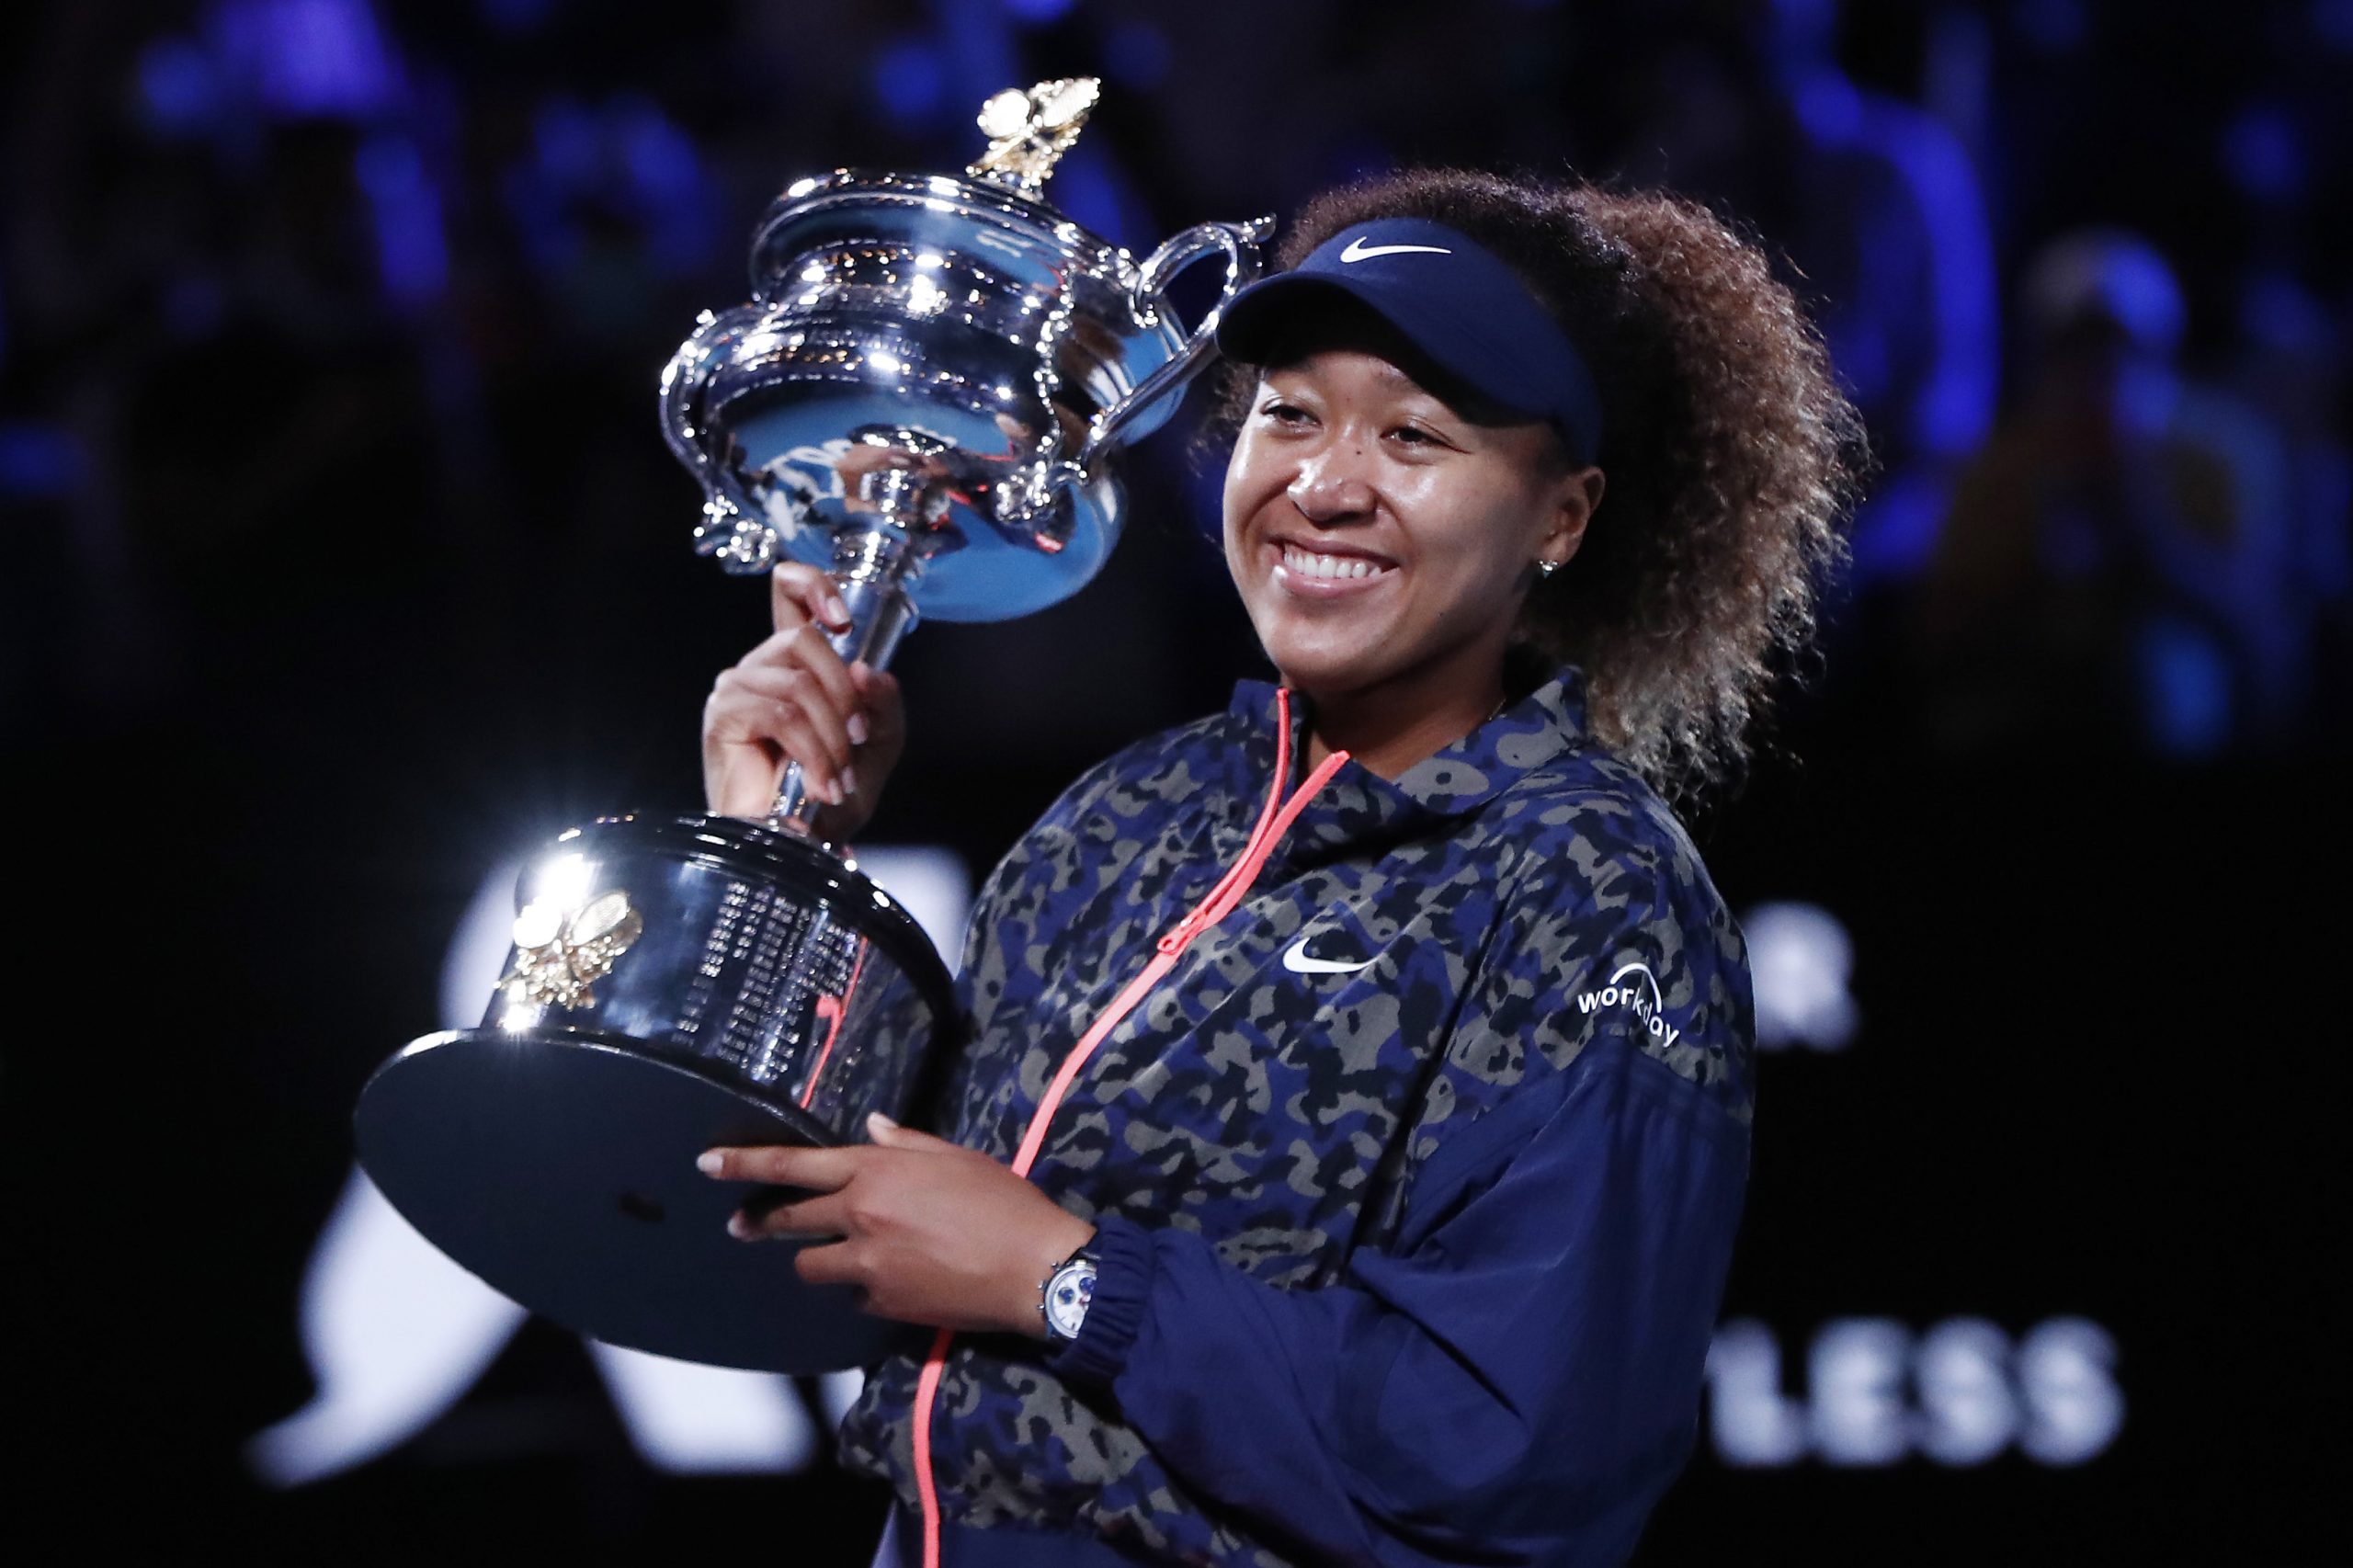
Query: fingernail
{"points": [[856, 727], [848, 781], [876, 1123], [709, 1163], [841, 610], [739, 1227], [833, 789]]}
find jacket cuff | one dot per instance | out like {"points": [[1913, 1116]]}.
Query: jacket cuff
{"points": [[1123, 1270]]}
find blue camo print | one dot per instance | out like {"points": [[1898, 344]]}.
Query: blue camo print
{"points": [[1496, 887]]}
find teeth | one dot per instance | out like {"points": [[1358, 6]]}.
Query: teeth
{"points": [[1300, 563]]}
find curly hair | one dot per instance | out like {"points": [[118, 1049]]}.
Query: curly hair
{"points": [[1732, 456]]}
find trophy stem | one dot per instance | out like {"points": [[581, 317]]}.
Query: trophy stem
{"points": [[871, 567]]}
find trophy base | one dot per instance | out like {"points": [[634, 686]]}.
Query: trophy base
{"points": [[561, 1170]]}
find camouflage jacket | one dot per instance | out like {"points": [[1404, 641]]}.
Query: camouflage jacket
{"points": [[1416, 1180]]}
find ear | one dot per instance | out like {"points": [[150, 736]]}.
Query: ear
{"points": [[1576, 494]]}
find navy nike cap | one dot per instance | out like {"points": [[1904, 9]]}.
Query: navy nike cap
{"points": [[1454, 299]]}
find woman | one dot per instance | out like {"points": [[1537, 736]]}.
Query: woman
{"points": [[1374, 1056]]}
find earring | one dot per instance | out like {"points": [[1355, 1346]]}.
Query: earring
{"points": [[1546, 568]]}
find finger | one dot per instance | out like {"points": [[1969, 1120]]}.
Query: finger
{"points": [[891, 1135], [834, 714], [886, 713], [824, 1215], [797, 731], [746, 705], [805, 657], [836, 1263], [783, 736], [799, 594], [784, 707], [828, 780], [807, 649], [818, 1170]]}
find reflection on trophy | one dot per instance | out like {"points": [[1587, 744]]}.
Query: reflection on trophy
{"points": [[922, 398]]}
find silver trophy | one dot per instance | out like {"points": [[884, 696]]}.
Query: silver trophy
{"points": [[922, 397]]}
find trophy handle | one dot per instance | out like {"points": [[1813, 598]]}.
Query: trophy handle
{"points": [[744, 544], [1028, 495], [1240, 244]]}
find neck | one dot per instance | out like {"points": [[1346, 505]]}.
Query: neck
{"points": [[1389, 727]]}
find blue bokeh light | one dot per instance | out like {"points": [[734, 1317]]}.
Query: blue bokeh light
{"points": [[303, 59], [1137, 55], [412, 255], [178, 87], [2264, 153], [36, 461], [912, 81], [2332, 23]]}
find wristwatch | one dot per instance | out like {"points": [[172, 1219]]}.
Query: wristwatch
{"points": [[1064, 1298]]}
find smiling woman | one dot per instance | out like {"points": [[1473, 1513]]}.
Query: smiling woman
{"points": [[1344, 1165], [1732, 456], [1382, 536]]}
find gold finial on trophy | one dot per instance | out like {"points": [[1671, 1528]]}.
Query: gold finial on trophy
{"points": [[1029, 130]]}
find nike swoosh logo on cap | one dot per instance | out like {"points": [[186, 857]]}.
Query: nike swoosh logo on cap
{"points": [[1360, 251], [1295, 959]]}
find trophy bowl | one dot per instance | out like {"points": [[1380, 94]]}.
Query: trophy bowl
{"points": [[923, 398]]}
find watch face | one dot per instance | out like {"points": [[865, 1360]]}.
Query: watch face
{"points": [[1067, 1296]]}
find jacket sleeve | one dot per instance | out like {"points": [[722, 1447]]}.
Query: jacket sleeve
{"points": [[1517, 1379]]}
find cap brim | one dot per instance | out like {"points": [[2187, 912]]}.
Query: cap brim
{"points": [[1252, 328]]}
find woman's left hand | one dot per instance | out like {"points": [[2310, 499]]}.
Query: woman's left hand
{"points": [[931, 1232]]}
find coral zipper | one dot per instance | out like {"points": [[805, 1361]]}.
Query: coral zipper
{"points": [[1274, 821]]}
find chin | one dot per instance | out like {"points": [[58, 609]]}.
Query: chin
{"points": [[1327, 672]]}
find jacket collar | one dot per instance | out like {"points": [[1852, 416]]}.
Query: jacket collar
{"points": [[1359, 806]]}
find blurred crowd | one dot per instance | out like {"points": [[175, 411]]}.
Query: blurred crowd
{"points": [[323, 318]]}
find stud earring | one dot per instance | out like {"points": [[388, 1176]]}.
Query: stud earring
{"points": [[1546, 568]]}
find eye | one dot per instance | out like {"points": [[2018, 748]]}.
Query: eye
{"points": [[1415, 436], [1282, 413]]}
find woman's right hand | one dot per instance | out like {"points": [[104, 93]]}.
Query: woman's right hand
{"points": [[793, 699]]}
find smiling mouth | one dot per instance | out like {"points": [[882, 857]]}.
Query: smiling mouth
{"points": [[1310, 566]]}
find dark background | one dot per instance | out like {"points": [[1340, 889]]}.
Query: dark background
{"points": [[341, 559]]}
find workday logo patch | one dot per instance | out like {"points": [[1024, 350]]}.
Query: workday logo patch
{"points": [[1641, 995]]}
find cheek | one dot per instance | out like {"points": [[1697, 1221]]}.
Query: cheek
{"points": [[1238, 498], [1232, 536], [1485, 542]]}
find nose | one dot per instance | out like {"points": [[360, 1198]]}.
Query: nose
{"points": [[1332, 484]]}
